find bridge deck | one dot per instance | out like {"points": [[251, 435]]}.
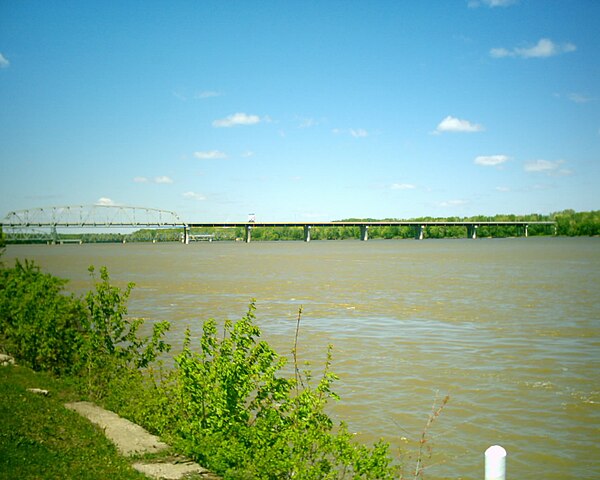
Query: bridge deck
{"points": [[365, 223]]}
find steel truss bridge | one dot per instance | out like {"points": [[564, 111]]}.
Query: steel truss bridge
{"points": [[42, 223], [27, 222]]}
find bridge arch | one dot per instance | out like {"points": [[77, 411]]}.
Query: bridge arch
{"points": [[92, 216], [41, 224]]}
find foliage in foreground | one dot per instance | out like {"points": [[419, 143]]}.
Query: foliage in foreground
{"points": [[225, 402]]}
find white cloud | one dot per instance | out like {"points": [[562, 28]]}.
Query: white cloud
{"points": [[500, 53], [452, 203], [4, 63], [579, 98], [163, 179], [452, 124], [548, 167], [194, 196], [307, 122], [503, 189], [160, 179], [403, 186], [543, 49], [207, 94], [106, 202], [491, 160], [236, 119], [359, 133], [491, 3], [210, 155]]}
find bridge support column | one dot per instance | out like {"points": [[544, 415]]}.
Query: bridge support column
{"points": [[186, 236], [526, 227], [364, 232], [472, 231], [307, 232], [54, 235], [248, 233], [419, 232]]}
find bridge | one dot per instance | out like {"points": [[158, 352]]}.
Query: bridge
{"points": [[419, 227], [37, 220], [134, 217]]}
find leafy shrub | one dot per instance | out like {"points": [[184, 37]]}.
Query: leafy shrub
{"points": [[236, 414], [39, 324], [91, 338], [111, 346]]}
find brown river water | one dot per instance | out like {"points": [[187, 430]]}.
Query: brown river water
{"points": [[509, 328]]}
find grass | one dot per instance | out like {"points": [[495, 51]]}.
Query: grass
{"points": [[41, 439]]}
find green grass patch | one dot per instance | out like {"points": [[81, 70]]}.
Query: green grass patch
{"points": [[40, 438]]}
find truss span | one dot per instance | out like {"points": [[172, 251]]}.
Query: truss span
{"points": [[91, 216]]}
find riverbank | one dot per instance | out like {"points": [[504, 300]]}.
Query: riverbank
{"points": [[43, 436], [40, 438]]}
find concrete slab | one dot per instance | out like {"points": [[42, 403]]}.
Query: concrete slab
{"points": [[129, 438]]}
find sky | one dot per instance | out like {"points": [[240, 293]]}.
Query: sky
{"points": [[300, 110]]}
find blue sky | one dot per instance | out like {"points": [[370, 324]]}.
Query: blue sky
{"points": [[301, 111]]}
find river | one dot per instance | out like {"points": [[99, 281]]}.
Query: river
{"points": [[509, 328]]}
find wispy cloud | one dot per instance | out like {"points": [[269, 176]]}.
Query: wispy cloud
{"points": [[194, 196], [359, 133], [579, 98], [490, 160], [236, 119], [307, 122], [452, 124], [207, 94], [543, 49], [548, 167], [163, 179], [503, 189], [4, 63], [403, 186], [160, 179], [452, 203], [105, 202], [491, 3], [210, 155], [355, 132]]}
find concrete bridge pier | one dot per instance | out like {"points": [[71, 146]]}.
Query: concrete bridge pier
{"points": [[307, 232], [364, 232], [526, 227], [248, 236], [472, 231], [186, 236], [419, 232]]}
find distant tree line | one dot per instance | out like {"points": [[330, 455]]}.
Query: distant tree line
{"points": [[568, 223]]}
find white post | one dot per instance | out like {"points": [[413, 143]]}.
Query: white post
{"points": [[495, 463]]}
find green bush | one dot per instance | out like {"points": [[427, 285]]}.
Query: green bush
{"points": [[237, 414], [39, 324], [111, 346]]}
